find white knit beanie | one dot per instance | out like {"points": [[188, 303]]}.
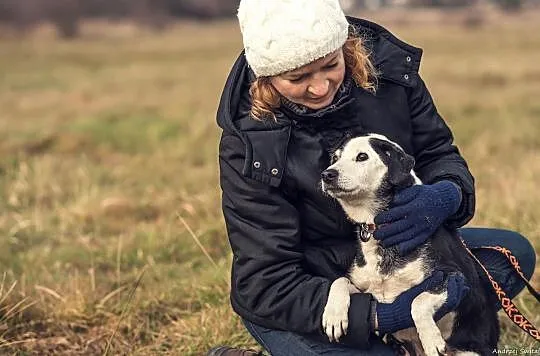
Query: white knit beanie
{"points": [[282, 35]]}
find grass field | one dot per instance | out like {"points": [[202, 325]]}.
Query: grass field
{"points": [[108, 177]]}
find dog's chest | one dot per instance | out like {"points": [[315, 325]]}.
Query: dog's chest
{"points": [[385, 285]]}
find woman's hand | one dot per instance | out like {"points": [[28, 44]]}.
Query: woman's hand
{"points": [[391, 317], [415, 213]]}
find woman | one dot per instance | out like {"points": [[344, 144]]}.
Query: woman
{"points": [[310, 78]]}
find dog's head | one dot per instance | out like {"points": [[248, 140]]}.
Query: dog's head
{"points": [[364, 166]]}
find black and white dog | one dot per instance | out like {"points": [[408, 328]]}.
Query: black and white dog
{"points": [[365, 173]]}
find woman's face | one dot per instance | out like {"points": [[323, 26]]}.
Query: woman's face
{"points": [[315, 84]]}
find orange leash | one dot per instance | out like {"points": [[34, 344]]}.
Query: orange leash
{"points": [[508, 306]]}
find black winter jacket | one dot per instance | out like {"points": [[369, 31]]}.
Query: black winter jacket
{"points": [[290, 241]]}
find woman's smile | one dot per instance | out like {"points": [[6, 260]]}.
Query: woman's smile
{"points": [[319, 99]]}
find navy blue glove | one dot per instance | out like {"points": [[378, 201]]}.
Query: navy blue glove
{"points": [[415, 213], [395, 316], [457, 288]]}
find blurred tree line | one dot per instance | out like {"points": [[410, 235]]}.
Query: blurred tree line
{"points": [[66, 14]]}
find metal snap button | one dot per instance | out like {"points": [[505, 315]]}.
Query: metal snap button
{"points": [[406, 76], [274, 171], [257, 164], [408, 58]]}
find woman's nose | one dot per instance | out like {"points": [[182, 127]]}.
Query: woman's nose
{"points": [[319, 87]]}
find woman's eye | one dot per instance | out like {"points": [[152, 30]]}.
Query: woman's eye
{"points": [[361, 157], [296, 79], [330, 66]]}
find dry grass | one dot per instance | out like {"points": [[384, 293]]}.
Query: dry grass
{"points": [[97, 166]]}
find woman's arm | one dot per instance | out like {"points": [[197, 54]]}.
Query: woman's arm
{"points": [[269, 285], [436, 157]]}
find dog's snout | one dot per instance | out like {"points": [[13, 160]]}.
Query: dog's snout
{"points": [[330, 176]]}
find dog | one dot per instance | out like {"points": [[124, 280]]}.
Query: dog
{"points": [[363, 177]]}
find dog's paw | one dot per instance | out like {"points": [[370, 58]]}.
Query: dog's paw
{"points": [[335, 321], [335, 318], [437, 348], [443, 351]]}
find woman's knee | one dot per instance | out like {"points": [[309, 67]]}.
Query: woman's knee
{"points": [[524, 252], [518, 245], [256, 332], [278, 342]]}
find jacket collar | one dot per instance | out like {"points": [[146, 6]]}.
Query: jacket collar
{"points": [[395, 60], [301, 113]]}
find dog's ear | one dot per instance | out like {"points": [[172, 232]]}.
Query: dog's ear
{"points": [[336, 147], [398, 162]]}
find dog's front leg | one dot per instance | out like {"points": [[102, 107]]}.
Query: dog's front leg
{"points": [[335, 319], [423, 309]]}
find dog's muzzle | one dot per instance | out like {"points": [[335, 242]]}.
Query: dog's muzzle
{"points": [[330, 176]]}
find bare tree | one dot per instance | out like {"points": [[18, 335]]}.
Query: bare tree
{"points": [[21, 14], [65, 15], [203, 9], [153, 14]]}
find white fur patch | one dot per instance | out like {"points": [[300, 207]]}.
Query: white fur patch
{"points": [[423, 309], [335, 319], [385, 288]]}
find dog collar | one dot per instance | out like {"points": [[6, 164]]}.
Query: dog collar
{"points": [[364, 231]]}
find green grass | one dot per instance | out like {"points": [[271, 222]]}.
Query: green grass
{"points": [[107, 141]]}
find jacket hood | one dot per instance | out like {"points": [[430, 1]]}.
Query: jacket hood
{"points": [[394, 59]]}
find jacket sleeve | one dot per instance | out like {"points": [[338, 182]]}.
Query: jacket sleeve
{"points": [[437, 158], [331, 261], [269, 285]]}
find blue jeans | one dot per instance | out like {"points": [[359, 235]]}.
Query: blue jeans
{"points": [[284, 343]]}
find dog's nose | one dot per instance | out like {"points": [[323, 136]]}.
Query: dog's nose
{"points": [[329, 176]]}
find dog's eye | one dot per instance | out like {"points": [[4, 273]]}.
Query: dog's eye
{"points": [[361, 157], [335, 156]]}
